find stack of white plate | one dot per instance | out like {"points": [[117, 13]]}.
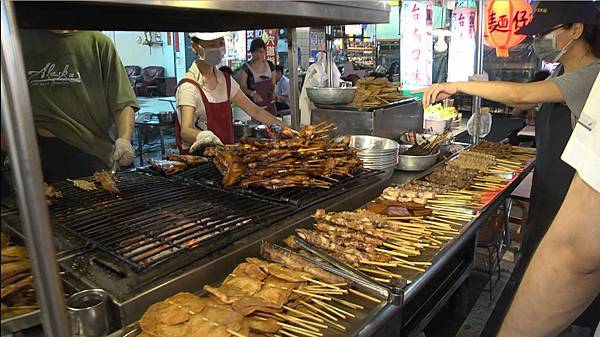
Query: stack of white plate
{"points": [[376, 152]]}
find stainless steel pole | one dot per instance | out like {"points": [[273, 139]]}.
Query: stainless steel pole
{"points": [[476, 106], [329, 47], [294, 79], [17, 125]]}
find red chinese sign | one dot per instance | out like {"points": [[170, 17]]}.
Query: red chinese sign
{"points": [[270, 38], [503, 19]]}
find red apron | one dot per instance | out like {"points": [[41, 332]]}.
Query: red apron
{"points": [[219, 117], [265, 90]]}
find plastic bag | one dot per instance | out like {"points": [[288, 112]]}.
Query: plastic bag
{"points": [[485, 123]]}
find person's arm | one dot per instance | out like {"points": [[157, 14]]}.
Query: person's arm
{"points": [[243, 81], [254, 110], [563, 277], [508, 93], [125, 122], [273, 81], [188, 128]]}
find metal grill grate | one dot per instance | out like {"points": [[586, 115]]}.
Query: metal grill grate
{"points": [[300, 197], [156, 219]]}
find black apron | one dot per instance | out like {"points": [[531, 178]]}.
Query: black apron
{"points": [[61, 160], [552, 176]]}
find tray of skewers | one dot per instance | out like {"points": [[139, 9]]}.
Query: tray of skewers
{"points": [[279, 294], [397, 236]]}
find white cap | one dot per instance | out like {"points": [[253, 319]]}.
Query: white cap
{"points": [[209, 36]]}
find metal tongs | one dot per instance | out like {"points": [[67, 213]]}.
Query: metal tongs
{"points": [[394, 294], [115, 167]]}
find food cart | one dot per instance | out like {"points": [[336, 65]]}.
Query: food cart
{"points": [[78, 236]]}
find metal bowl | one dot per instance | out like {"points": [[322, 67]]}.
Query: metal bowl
{"points": [[415, 163], [372, 144], [331, 96]]}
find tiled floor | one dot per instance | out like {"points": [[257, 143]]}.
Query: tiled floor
{"points": [[151, 148]]}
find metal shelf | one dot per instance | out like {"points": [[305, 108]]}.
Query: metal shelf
{"points": [[207, 16]]}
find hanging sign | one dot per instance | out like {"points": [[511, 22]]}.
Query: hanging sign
{"points": [[416, 43], [461, 53], [503, 19]]}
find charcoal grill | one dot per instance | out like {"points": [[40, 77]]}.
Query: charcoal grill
{"points": [[207, 174]]}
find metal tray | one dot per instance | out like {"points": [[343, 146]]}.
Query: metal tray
{"points": [[354, 325], [18, 323], [399, 291]]}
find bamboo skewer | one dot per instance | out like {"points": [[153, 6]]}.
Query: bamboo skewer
{"points": [[302, 313], [365, 296], [285, 333], [313, 308], [333, 307], [310, 294], [327, 285], [393, 274], [298, 330], [348, 304], [376, 263], [375, 271], [306, 324]]}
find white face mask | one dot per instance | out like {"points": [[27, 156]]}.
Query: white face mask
{"points": [[545, 48], [213, 56]]}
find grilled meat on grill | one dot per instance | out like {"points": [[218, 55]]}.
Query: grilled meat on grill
{"points": [[189, 159], [83, 184], [168, 167], [51, 193], [309, 160], [106, 180]]}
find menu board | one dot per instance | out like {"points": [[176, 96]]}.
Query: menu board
{"points": [[461, 53], [270, 38], [416, 43]]}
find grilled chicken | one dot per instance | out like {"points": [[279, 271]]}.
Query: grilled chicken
{"points": [[83, 184], [106, 180], [168, 167], [309, 159], [52, 193]]}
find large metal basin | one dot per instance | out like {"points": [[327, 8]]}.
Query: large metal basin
{"points": [[331, 96], [415, 163]]}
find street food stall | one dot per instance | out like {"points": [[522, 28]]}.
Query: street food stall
{"points": [[169, 245]]}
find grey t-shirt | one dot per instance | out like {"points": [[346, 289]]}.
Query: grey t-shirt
{"points": [[576, 86]]}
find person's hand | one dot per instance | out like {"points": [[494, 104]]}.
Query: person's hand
{"points": [[205, 138], [257, 98], [437, 92], [123, 152]]}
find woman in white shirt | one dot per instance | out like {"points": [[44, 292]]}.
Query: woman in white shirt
{"points": [[204, 98], [257, 79]]}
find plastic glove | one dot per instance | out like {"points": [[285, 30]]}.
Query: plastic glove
{"points": [[205, 138], [123, 152]]}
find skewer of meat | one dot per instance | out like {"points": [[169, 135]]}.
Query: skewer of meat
{"points": [[279, 255], [107, 182]]}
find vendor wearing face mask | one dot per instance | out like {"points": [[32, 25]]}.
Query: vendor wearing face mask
{"points": [[563, 31], [204, 98]]}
